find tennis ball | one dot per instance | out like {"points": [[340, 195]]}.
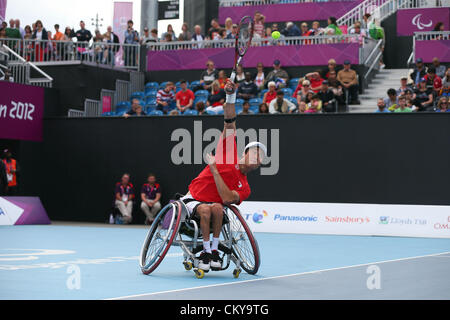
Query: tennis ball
{"points": [[276, 34]]}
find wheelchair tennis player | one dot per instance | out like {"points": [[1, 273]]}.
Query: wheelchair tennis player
{"points": [[222, 182]]}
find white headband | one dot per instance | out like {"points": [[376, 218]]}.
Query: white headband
{"points": [[256, 144]]}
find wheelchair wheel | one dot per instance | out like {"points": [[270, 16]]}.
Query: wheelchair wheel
{"points": [[244, 245], [160, 237]]}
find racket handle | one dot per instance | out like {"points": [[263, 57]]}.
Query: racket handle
{"points": [[233, 76]]}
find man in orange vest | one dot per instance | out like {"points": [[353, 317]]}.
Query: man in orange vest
{"points": [[12, 168]]}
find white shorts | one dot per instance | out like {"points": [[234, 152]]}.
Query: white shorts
{"points": [[192, 204]]}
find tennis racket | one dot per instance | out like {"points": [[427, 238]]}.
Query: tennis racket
{"points": [[244, 37]]}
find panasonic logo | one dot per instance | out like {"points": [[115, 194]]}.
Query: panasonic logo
{"points": [[280, 217]]}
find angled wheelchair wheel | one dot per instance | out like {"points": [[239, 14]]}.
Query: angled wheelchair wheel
{"points": [[160, 237], [244, 245]]}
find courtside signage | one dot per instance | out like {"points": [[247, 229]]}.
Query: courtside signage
{"points": [[347, 219]]}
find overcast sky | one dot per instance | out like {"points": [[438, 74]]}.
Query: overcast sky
{"points": [[69, 13]]}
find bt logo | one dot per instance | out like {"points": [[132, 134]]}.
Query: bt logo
{"points": [[257, 218]]}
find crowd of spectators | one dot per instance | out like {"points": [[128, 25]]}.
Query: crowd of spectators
{"points": [[425, 89], [125, 199]]}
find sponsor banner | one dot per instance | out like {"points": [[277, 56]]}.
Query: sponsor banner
{"points": [[289, 11], [106, 104], [421, 20], [3, 10], [22, 210], [123, 11], [347, 219], [21, 111], [295, 55], [428, 49]]}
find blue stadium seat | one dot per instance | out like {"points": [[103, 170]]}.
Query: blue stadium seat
{"points": [[137, 95], [254, 108], [178, 83], [194, 84], [151, 86], [162, 85], [293, 100], [149, 107], [150, 93], [202, 93], [239, 101], [255, 102], [261, 93], [288, 92], [238, 109], [107, 114], [150, 100], [155, 113], [190, 112], [293, 83]]}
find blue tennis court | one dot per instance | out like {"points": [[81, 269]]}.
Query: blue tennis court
{"points": [[101, 262]]}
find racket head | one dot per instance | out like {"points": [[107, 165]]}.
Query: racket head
{"points": [[245, 35]]}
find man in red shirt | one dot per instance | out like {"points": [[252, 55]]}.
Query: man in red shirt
{"points": [[184, 97], [222, 182], [315, 80]]}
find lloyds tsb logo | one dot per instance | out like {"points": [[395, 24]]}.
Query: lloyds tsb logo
{"points": [[193, 145]]}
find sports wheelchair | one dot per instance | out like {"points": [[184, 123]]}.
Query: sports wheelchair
{"points": [[174, 226]]}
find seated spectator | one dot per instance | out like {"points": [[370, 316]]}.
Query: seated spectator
{"points": [[332, 25], [165, 97], [246, 108], [263, 108], [213, 32], [402, 107], [200, 107], [446, 91], [446, 79], [259, 77], [280, 40], [336, 87], [443, 105], [330, 67], [316, 29], [228, 26], [232, 34], [139, 112], [424, 96], [198, 36], [174, 112], [440, 69], [433, 81], [240, 75], [419, 72], [184, 98], [409, 104], [247, 89], [411, 100], [281, 105], [326, 95], [185, 34], [304, 30], [278, 75], [124, 195], [170, 31], [349, 81], [150, 196], [315, 105], [403, 86], [291, 30], [216, 99], [392, 100], [271, 93], [315, 80], [222, 78], [133, 110], [303, 93], [208, 76], [381, 106]]}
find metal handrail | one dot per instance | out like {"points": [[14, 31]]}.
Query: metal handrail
{"points": [[227, 43], [240, 3], [432, 35], [373, 51], [18, 57], [377, 60]]}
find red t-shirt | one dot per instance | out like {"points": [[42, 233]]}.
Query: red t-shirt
{"points": [[270, 96], [316, 83], [204, 189], [184, 97]]}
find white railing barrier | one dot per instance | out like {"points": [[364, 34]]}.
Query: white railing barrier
{"points": [[103, 53], [241, 3], [423, 36], [73, 113]]}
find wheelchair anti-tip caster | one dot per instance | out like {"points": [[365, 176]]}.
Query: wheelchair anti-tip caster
{"points": [[199, 273], [187, 265], [236, 273]]}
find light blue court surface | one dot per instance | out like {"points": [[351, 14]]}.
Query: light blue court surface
{"points": [[46, 262]]}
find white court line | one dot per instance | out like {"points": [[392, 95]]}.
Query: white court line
{"points": [[277, 277]]}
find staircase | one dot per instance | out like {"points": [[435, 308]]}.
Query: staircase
{"points": [[384, 80]]}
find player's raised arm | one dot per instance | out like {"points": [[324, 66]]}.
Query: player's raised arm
{"points": [[229, 110]]}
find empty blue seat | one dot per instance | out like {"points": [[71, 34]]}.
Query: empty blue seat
{"points": [[238, 109], [293, 83], [239, 101], [162, 85], [155, 113], [150, 100], [255, 101], [288, 92], [261, 93], [150, 93], [293, 100], [151, 86], [190, 112], [202, 93], [194, 84], [137, 95], [254, 108]]}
